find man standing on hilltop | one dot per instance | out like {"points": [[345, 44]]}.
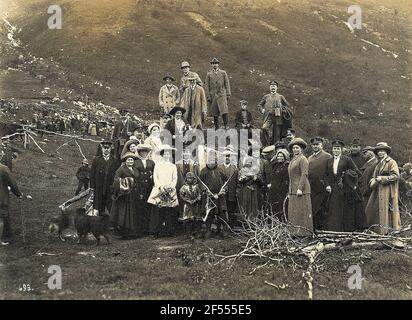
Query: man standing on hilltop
{"points": [[277, 115], [185, 82], [218, 92]]}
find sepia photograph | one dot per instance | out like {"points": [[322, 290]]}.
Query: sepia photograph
{"points": [[205, 155]]}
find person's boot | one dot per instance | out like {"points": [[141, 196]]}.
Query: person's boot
{"points": [[225, 121], [216, 122]]}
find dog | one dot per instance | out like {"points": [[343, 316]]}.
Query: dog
{"points": [[81, 225]]}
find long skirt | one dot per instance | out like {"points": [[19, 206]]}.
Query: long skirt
{"points": [[163, 221], [249, 201], [300, 214], [124, 215]]}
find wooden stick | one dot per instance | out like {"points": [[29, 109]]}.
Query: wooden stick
{"points": [[35, 143]]}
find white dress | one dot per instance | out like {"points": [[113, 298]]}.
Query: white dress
{"points": [[164, 176]]}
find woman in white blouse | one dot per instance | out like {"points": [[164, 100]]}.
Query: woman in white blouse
{"points": [[163, 220]]}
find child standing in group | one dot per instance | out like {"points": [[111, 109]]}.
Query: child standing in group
{"points": [[191, 195], [83, 176]]}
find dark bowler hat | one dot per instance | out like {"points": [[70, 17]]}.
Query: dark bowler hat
{"points": [[280, 145], [368, 148], [214, 60], [382, 146], [124, 111], [316, 140], [176, 109], [168, 76], [297, 141], [274, 82], [338, 143]]}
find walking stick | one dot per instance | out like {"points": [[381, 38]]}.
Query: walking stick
{"points": [[23, 217]]}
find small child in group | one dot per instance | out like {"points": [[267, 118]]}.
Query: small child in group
{"points": [[83, 175], [191, 216], [243, 117]]}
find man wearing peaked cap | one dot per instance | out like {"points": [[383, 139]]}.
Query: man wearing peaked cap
{"points": [[184, 81], [217, 87], [169, 95], [123, 129], [277, 115], [318, 162], [243, 118]]}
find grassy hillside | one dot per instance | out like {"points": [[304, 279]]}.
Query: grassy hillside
{"points": [[340, 85]]}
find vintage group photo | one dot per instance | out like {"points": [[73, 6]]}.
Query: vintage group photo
{"points": [[205, 150]]}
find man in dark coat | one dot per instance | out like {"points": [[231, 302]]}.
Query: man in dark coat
{"points": [[83, 176], [355, 153], [122, 131], [367, 173], [218, 91], [6, 182], [277, 115], [243, 119], [102, 174], [317, 175]]}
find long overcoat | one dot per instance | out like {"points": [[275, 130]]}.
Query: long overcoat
{"points": [[218, 89], [195, 104], [383, 207]]}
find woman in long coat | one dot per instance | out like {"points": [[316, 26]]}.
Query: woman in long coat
{"points": [[277, 176], [382, 208], [163, 221], [145, 167], [124, 210], [300, 206], [345, 202]]}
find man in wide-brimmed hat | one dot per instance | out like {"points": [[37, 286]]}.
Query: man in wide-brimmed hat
{"points": [[382, 210], [218, 91], [169, 95], [102, 174], [318, 161], [195, 104], [184, 81], [123, 129], [277, 115]]}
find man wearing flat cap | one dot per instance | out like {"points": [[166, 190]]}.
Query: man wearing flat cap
{"points": [[169, 95], [184, 81], [123, 129], [218, 92], [318, 162], [102, 174], [277, 115]]}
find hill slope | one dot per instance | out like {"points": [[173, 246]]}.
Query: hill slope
{"points": [[118, 52]]}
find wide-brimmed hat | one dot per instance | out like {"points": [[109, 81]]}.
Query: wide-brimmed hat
{"points": [[184, 64], [382, 146], [407, 166], [191, 77], [165, 147], [338, 143], [127, 155], [143, 147], [168, 76], [214, 60], [124, 111], [150, 128], [242, 102], [297, 141], [268, 149], [316, 140], [176, 109]]}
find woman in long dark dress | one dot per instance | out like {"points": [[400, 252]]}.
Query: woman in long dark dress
{"points": [[124, 210], [344, 207], [278, 183]]}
